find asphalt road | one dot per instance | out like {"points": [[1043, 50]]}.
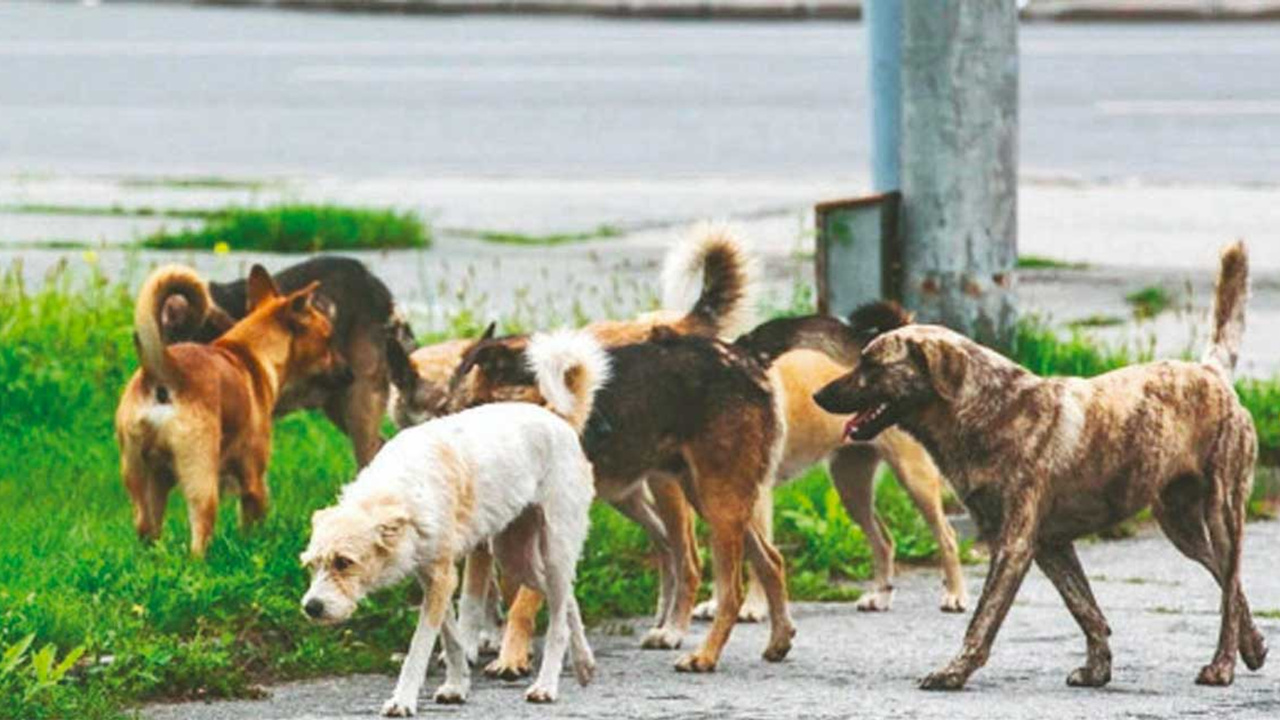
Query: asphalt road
{"points": [[1161, 607], [174, 90]]}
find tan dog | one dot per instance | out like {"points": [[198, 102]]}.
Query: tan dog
{"points": [[1040, 462], [197, 415]]}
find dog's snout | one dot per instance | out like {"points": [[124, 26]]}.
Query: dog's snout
{"points": [[314, 608]]}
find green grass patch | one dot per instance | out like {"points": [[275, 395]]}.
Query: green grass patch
{"points": [[299, 228], [1037, 262], [601, 232], [1149, 301], [1096, 321], [107, 211], [196, 182]]}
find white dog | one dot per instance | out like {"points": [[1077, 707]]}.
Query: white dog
{"points": [[512, 474]]}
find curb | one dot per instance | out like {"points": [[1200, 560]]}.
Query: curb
{"points": [[1037, 10]]}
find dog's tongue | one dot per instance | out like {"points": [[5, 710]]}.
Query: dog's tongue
{"points": [[851, 425]]}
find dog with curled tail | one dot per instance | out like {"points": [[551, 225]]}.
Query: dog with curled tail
{"points": [[509, 476]]}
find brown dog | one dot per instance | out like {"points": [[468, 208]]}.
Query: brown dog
{"points": [[368, 333], [1040, 462], [195, 415]]}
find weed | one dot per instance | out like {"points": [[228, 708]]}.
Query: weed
{"points": [[1149, 301], [1036, 262], [299, 228], [196, 182], [108, 211], [1096, 321], [600, 232]]}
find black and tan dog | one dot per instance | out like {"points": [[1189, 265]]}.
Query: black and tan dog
{"points": [[1040, 462], [367, 333], [198, 416], [692, 408]]}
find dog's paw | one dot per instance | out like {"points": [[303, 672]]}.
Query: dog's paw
{"points": [[777, 651], [943, 680], [754, 610], [705, 610], [662, 639], [540, 695], [695, 663], [876, 601], [585, 671], [953, 602], [503, 669], [1220, 674], [489, 643], [451, 694], [1089, 676], [399, 708], [1253, 648]]}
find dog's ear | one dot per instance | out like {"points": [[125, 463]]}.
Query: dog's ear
{"points": [[261, 287], [303, 301], [490, 331], [947, 365], [392, 519]]}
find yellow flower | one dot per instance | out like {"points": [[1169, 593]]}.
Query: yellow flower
{"points": [[90, 257], [138, 610], [221, 248]]}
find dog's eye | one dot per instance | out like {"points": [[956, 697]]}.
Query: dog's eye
{"points": [[341, 563]]}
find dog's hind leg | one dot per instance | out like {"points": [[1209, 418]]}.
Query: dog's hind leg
{"points": [[513, 660], [681, 571], [196, 467], [584, 661], [640, 506], [559, 590], [254, 496], [457, 681], [477, 629], [923, 481], [853, 473], [149, 491], [358, 412], [1188, 514], [1061, 564], [771, 570]]}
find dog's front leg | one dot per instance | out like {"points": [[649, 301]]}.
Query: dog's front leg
{"points": [[1009, 564], [441, 580]]}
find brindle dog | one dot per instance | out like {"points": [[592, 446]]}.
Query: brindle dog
{"points": [[1040, 462]]}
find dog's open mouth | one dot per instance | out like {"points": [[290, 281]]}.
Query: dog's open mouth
{"points": [[866, 424]]}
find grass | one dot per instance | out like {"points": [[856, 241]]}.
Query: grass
{"points": [[108, 211], [299, 228], [1096, 321], [195, 182], [601, 232], [143, 623], [1149, 301], [1037, 262]]}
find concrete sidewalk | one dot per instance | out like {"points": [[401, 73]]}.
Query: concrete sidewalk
{"points": [[1038, 10], [1163, 610], [1131, 236]]}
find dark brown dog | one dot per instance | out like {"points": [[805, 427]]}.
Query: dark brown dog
{"points": [[688, 407], [366, 331], [1040, 462], [197, 415]]}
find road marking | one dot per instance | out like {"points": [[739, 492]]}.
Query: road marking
{"points": [[491, 74], [1200, 108]]}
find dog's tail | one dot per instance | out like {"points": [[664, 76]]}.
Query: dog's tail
{"points": [[161, 286], [570, 366], [715, 257], [842, 343], [1230, 297]]}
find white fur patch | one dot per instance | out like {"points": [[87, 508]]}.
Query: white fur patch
{"points": [[1071, 419], [158, 414]]}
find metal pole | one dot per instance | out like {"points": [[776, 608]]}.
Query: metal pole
{"points": [[959, 161], [883, 20]]}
